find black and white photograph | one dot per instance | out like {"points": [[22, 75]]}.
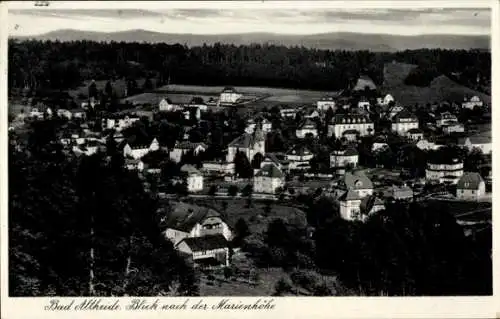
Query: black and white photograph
{"points": [[273, 152]]}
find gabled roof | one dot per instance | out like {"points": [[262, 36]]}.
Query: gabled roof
{"points": [[229, 89], [470, 180], [357, 180], [190, 169], [205, 243], [350, 119], [166, 100], [415, 131], [368, 202], [270, 170], [186, 145], [404, 114], [299, 150], [349, 195], [185, 216], [247, 140], [307, 124], [348, 151]]}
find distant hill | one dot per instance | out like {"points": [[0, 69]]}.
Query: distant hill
{"points": [[442, 88], [339, 40]]}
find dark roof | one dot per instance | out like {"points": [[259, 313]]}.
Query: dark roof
{"points": [[414, 131], [369, 202], [348, 151], [469, 180], [349, 195], [189, 169], [189, 145], [197, 100], [350, 118], [352, 131], [357, 180], [404, 114], [184, 217], [205, 243], [299, 150], [229, 89], [270, 170], [248, 140]]}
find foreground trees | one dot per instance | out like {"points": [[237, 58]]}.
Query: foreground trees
{"points": [[84, 227]]}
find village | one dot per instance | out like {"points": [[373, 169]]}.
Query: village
{"points": [[359, 147]]}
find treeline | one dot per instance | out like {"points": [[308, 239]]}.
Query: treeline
{"points": [[62, 65]]}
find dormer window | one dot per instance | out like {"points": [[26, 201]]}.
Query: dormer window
{"points": [[358, 183]]}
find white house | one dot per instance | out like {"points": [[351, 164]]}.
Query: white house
{"points": [[64, 113], [453, 128], [119, 123], [425, 145], [356, 186], [387, 99], [480, 142], [415, 134], [344, 157], [268, 179], [404, 121], [442, 168], [307, 127], [36, 113], [78, 113], [137, 151], [193, 178], [200, 232], [288, 113], [166, 105], [446, 118], [229, 96], [298, 157], [184, 147], [325, 103], [471, 186], [249, 144], [472, 103], [343, 122]]}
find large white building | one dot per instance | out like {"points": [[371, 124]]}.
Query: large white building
{"points": [[404, 121], [325, 103], [193, 178], [229, 96], [442, 168], [348, 122], [472, 103], [298, 157], [307, 127], [344, 157], [166, 105], [137, 151], [119, 123], [471, 186], [184, 147], [268, 179]]}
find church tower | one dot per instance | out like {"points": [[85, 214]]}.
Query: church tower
{"points": [[259, 140]]}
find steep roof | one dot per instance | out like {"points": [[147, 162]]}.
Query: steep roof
{"points": [[348, 151], [205, 243], [364, 81], [185, 216], [357, 180], [299, 150], [368, 202], [349, 195], [404, 114], [350, 119], [470, 180], [270, 170], [190, 170], [186, 145], [248, 140]]}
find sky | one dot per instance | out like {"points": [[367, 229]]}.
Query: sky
{"points": [[401, 21]]}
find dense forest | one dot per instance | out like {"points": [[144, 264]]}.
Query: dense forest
{"points": [[62, 65]]}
